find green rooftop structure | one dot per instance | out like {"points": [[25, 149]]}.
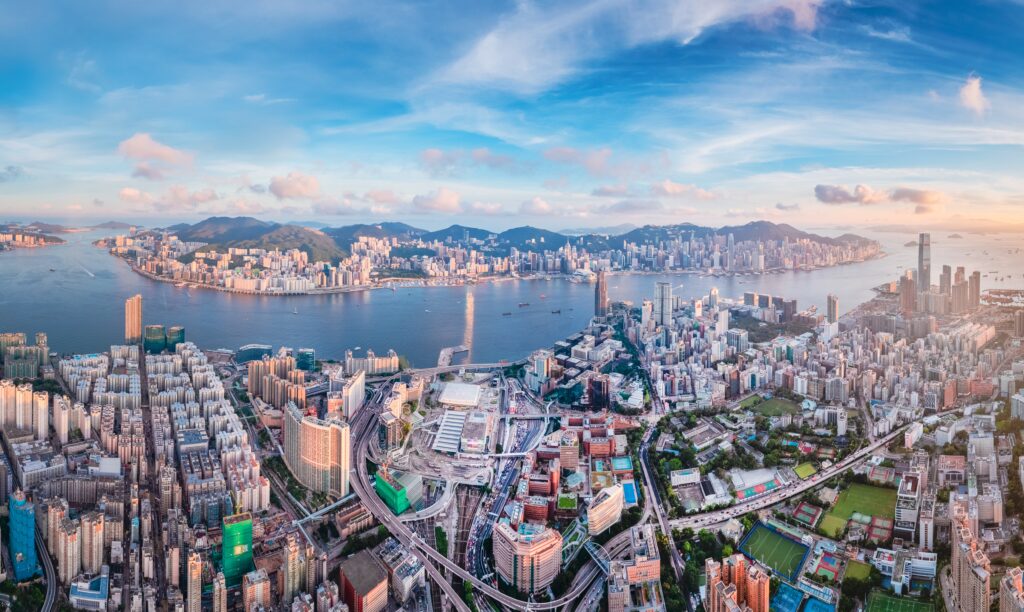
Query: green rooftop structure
{"points": [[393, 493], [236, 547]]}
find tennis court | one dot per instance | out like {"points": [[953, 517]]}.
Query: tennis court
{"points": [[828, 566], [880, 601], [769, 547], [807, 514], [866, 499]]}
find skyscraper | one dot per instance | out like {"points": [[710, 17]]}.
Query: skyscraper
{"points": [[733, 583], [22, 537], [946, 280], [236, 547], [833, 308], [924, 262], [974, 289], [317, 451], [663, 304], [220, 593], [93, 526], [133, 320], [601, 295]]}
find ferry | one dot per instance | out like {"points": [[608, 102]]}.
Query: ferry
{"points": [[523, 304], [556, 312]]}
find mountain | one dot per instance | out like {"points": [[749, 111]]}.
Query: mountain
{"points": [[613, 230], [532, 237], [345, 235], [47, 228], [250, 233], [456, 233], [755, 230]]}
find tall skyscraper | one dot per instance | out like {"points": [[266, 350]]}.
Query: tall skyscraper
{"points": [[974, 289], [908, 294], [236, 547], [833, 308], [93, 526], [601, 295], [133, 320], [924, 262], [663, 304], [1011, 591], [194, 598], [317, 451], [946, 280], [22, 537]]}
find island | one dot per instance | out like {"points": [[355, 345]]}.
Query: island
{"points": [[14, 236], [247, 255]]}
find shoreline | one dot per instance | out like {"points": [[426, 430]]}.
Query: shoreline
{"points": [[399, 283]]}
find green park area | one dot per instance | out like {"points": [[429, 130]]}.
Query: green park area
{"points": [[805, 470], [858, 570], [776, 406], [880, 601], [862, 498], [775, 550]]}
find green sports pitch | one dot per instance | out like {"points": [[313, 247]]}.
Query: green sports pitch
{"points": [[880, 601], [776, 551]]}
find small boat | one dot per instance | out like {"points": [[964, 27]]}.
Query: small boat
{"points": [[53, 269], [506, 314], [556, 312], [357, 348], [523, 304], [426, 310], [296, 311]]}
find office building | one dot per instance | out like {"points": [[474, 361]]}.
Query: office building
{"points": [[253, 352], [21, 539], [601, 295], [133, 320], [317, 451], [305, 359], [1011, 591], [946, 280], [155, 340], [175, 336], [833, 308], [663, 304], [364, 583], [734, 583], [528, 558], [605, 509], [924, 262], [236, 547], [256, 590], [974, 290]]}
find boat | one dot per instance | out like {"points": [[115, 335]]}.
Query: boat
{"points": [[523, 304], [53, 269], [556, 312], [296, 311], [357, 348], [506, 314]]}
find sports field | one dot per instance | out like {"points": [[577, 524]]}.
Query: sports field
{"points": [[866, 499], [773, 549], [858, 570], [880, 601], [776, 407], [805, 470]]}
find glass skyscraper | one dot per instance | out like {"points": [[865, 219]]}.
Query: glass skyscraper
{"points": [[22, 539]]}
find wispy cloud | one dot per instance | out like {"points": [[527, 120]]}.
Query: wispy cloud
{"points": [[972, 97], [10, 173]]}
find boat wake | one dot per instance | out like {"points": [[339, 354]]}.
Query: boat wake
{"points": [[84, 269]]}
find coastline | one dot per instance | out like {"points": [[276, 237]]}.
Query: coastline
{"points": [[399, 282]]}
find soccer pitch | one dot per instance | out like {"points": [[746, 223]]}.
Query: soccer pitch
{"points": [[776, 551], [866, 499], [880, 601]]}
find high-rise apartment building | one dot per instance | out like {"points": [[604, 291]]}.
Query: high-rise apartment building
{"points": [[21, 542], [220, 593], [69, 550], [601, 295], [93, 528], [1011, 591], [133, 320], [735, 584], [946, 280], [663, 304], [528, 558], [256, 590], [974, 289], [317, 451], [924, 262], [299, 567], [194, 595], [833, 308], [970, 567]]}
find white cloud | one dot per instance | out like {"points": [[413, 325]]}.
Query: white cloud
{"points": [[134, 196], [972, 97], [536, 206], [442, 200], [439, 162], [536, 47], [382, 196], [485, 208], [143, 147], [671, 189], [148, 171], [295, 186], [594, 161], [610, 191], [864, 195]]}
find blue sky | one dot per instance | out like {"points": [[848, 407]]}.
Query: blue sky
{"points": [[560, 114]]}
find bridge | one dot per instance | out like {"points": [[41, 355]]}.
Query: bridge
{"points": [[599, 555], [325, 510]]}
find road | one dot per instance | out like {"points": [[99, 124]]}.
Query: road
{"points": [[654, 499], [696, 521], [51, 576]]}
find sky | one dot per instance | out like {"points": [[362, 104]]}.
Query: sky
{"points": [[498, 114]]}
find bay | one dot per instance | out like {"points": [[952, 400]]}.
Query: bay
{"points": [[80, 305]]}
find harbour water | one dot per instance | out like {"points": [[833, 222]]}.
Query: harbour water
{"points": [[80, 304]]}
